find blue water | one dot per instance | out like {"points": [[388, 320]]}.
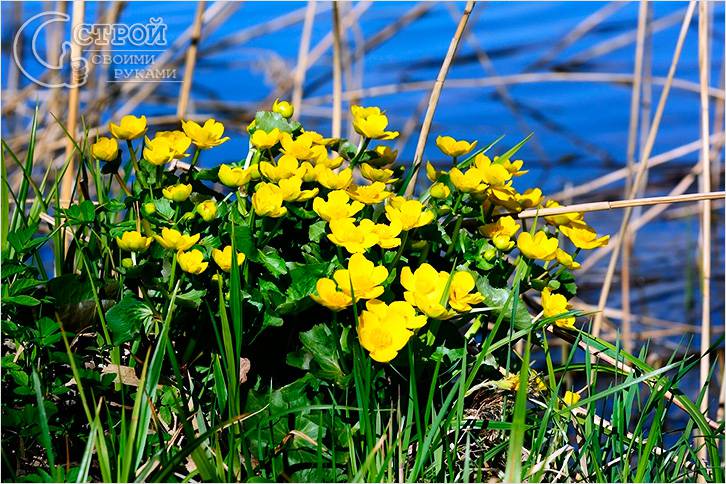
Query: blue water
{"points": [[580, 127]]}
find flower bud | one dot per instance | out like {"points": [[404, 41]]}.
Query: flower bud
{"points": [[207, 210], [490, 254], [283, 108], [440, 190], [149, 208], [127, 263]]}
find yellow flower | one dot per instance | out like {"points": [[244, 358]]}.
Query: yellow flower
{"points": [[310, 171], [192, 261], [504, 195], [382, 331], [283, 108], [384, 155], [158, 151], [105, 149], [178, 140], [509, 382], [397, 309], [451, 147], [318, 138], [566, 260], [513, 167], [563, 218], [425, 289], [332, 180], [493, 174], [371, 123], [362, 279], [320, 157], [291, 192], [129, 128], [537, 247], [207, 136], [207, 210], [267, 201], [471, 181], [440, 190], [369, 194], [133, 241], [223, 258], [287, 166], [337, 206], [500, 232], [234, 176], [374, 174], [263, 140], [178, 192], [432, 173], [530, 198], [584, 236], [354, 238], [571, 398], [300, 147], [460, 296], [410, 213], [174, 240], [329, 296], [388, 234], [554, 305]]}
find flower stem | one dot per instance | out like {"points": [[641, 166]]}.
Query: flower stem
{"points": [[192, 165], [361, 149]]}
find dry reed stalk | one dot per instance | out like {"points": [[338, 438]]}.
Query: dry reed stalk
{"points": [[630, 161], [705, 185], [512, 79], [302, 58], [190, 61], [436, 92], [636, 202], [337, 74], [67, 184], [650, 142], [644, 219]]}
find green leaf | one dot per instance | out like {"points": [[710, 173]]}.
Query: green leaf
{"points": [[126, 318], [192, 298], [322, 344], [317, 231], [21, 300], [81, 213], [497, 298], [164, 208], [272, 261], [271, 319], [267, 121]]}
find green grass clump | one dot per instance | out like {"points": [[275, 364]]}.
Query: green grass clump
{"points": [[358, 335]]}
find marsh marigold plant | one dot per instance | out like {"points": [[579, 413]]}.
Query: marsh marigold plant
{"points": [[296, 292]]}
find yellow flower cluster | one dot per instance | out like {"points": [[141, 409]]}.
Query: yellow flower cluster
{"points": [[431, 291]]}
